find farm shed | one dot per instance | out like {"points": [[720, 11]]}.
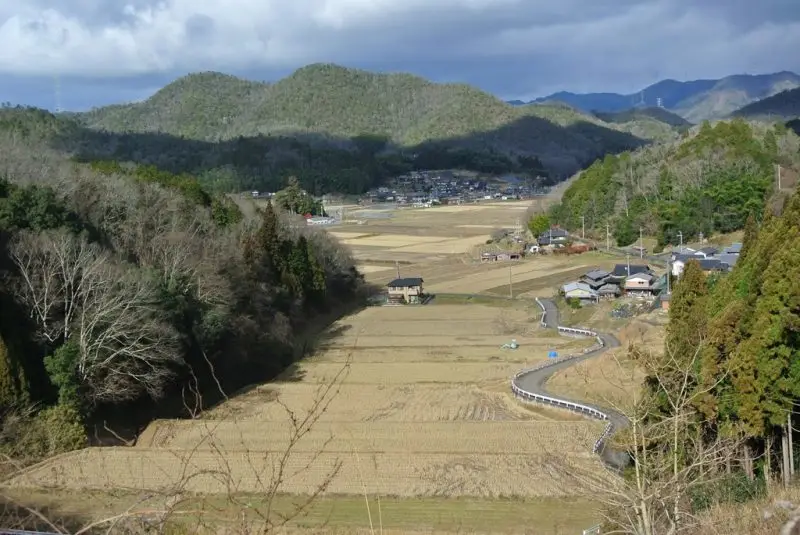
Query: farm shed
{"points": [[405, 291], [579, 290]]}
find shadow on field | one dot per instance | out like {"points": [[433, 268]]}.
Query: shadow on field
{"points": [[14, 516]]}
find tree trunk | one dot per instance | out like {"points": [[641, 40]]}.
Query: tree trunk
{"points": [[768, 462], [747, 462], [785, 457]]}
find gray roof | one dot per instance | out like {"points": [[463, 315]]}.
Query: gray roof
{"points": [[572, 286], [608, 288], [683, 250], [728, 258], [709, 251], [406, 282], [597, 274], [734, 248]]}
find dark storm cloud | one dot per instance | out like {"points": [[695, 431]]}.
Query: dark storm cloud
{"points": [[513, 48]]}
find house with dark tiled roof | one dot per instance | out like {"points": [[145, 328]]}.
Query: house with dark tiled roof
{"points": [[406, 290], [595, 278], [622, 271]]}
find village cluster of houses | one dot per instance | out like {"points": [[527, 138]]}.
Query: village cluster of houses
{"points": [[640, 280], [711, 259], [427, 188], [624, 279]]}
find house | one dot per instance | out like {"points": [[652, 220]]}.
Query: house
{"points": [[595, 278], [622, 271], [728, 259], [639, 284], [733, 249], [707, 252], [553, 236], [664, 300], [608, 291], [405, 291], [683, 251], [708, 265], [579, 290]]}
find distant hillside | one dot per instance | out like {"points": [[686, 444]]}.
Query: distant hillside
{"points": [[708, 181], [695, 101], [784, 105], [331, 105], [634, 114]]}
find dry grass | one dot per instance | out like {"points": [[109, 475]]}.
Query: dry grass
{"points": [[609, 379], [418, 415]]}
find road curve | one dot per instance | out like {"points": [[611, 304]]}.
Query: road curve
{"points": [[534, 382]]}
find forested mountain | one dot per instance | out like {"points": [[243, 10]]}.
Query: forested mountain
{"points": [[784, 105], [121, 284], [695, 100], [327, 107], [708, 181], [633, 114]]}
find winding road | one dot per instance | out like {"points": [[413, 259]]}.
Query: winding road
{"points": [[534, 382]]}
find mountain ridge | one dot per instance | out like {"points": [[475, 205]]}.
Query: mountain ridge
{"points": [[694, 100], [337, 104]]}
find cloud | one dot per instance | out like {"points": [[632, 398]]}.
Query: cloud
{"points": [[516, 48]]}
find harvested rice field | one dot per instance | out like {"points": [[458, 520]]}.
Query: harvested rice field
{"points": [[415, 411]]}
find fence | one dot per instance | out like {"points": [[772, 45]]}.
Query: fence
{"points": [[531, 397]]}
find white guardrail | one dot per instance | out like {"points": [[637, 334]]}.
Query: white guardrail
{"points": [[585, 410]]}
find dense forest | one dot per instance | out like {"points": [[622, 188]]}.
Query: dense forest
{"points": [[707, 182], [330, 108], [122, 285], [718, 404], [261, 163]]}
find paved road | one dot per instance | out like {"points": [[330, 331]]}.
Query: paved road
{"points": [[534, 382]]}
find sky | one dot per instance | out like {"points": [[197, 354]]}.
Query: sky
{"points": [[111, 51]]}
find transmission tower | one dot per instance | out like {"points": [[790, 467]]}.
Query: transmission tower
{"points": [[57, 91]]}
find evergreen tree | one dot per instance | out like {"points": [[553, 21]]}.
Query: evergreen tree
{"points": [[13, 386], [750, 234], [686, 331]]}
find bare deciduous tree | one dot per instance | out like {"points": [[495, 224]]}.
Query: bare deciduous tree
{"points": [[671, 458], [77, 292]]}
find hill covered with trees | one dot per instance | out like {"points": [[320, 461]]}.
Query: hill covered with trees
{"points": [[708, 181], [123, 284], [327, 107], [784, 105]]}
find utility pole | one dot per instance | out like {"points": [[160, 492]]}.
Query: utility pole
{"points": [[510, 283], [680, 237], [778, 175], [608, 238], [628, 262], [583, 227], [669, 274], [641, 244], [397, 268], [791, 442]]}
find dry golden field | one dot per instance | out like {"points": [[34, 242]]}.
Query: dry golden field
{"points": [[405, 402], [417, 414]]}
